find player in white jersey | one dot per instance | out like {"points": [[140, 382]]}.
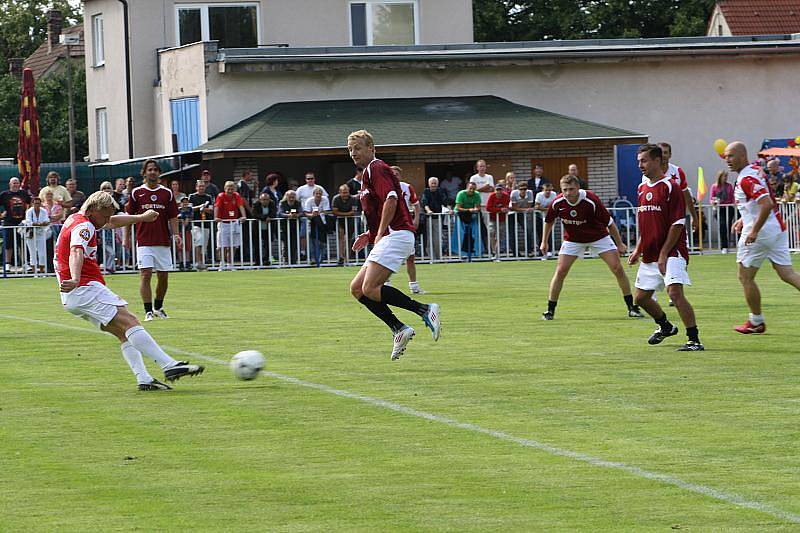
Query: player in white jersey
{"points": [[763, 233], [412, 202]]}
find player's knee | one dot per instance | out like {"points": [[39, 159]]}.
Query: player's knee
{"points": [[356, 291], [675, 294], [641, 298]]}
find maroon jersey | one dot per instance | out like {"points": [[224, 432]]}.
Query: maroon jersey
{"points": [[380, 183], [160, 199], [585, 221], [661, 206]]}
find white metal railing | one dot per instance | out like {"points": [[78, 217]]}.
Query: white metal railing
{"points": [[283, 242]]}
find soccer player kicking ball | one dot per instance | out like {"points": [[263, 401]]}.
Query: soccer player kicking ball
{"points": [[763, 234], [84, 292], [391, 229], [587, 226], [662, 247]]}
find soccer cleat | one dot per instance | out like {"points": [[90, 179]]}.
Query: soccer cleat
{"points": [[635, 312], [547, 315], [182, 368], [148, 316], [160, 313], [154, 385], [431, 319], [748, 327], [417, 290], [401, 340], [659, 335], [691, 346]]}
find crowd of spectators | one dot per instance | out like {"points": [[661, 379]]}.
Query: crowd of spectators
{"points": [[296, 219]]}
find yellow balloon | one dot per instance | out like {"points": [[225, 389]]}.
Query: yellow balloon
{"points": [[720, 145], [797, 139]]}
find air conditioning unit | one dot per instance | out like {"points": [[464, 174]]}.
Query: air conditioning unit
{"points": [[69, 39]]}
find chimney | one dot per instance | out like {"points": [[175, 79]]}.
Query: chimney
{"points": [[55, 22], [15, 66]]}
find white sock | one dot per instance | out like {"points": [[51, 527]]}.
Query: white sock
{"points": [[142, 341], [135, 361], [413, 285], [756, 320]]}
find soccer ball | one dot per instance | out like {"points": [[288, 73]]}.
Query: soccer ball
{"points": [[247, 364]]}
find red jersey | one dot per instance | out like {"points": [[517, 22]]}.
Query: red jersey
{"points": [[584, 221], [409, 195], [160, 199], [380, 183], [676, 173], [661, 206], [77, 232], [228, 206], [752, 186]]}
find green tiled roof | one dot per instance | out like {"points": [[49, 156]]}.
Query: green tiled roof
{"points": [[405, 122]]}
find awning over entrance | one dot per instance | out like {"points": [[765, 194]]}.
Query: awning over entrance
{"points": [[399, 122]]}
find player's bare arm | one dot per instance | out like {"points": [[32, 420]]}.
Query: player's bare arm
{"points": [[389, 208], [76, 258], [689, 201], [737, 226], [766, 208], [176, 235], [123, 220], [675, 232], [634, 257], [544, 246], [614, 232]]}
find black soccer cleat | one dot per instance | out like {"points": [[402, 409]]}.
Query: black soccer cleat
{"points": [[661, 334], [635, 312], [154, 385], [547, 315], [183, 368], [692, 346]]}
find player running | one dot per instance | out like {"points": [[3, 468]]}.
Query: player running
{"points": [[84, 292], [662, 247], [153, 238], [587, 226], [391, 230], [763, 234]]}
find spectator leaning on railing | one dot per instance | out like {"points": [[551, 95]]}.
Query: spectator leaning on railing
{"points": [[291, 209], [229, 213], [59, 192], [468, 208], [497, 206], [434, 199], [202, 211], [316, 208], [265, 210], [15, 202], [521, 202], [723, 201], [345, 207], [541, 204], [38, 221]]}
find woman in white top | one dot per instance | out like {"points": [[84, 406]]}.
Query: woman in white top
{"points": [[38, 218]]}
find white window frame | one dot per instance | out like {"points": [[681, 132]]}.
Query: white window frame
{"points": [[101, 127], [98, 41], [368, 17], [204, 24]]}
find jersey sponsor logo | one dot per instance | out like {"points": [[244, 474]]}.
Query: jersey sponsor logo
{"points": [[649, 208], [84, 234], [648, 196], [573, 222]]}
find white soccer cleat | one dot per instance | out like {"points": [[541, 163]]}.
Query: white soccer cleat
{"points": [[148, 316], [401, 340], [433, 321], [160, 313], [417, 290]]}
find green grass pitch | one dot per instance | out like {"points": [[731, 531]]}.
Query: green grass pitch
{"points": [[508, 423]]}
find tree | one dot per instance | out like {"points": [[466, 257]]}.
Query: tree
{"points": [[23, 25]]}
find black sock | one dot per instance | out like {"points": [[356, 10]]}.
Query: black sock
{"points": [[551, 306], [382, 311], [628, 300], [148, 307], [663, 322], [159, 304], [392, 296], [693, 334]]}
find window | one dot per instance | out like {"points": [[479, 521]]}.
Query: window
{"points": [[101, 118], [383, 23], [233, 25], [98, 48]]}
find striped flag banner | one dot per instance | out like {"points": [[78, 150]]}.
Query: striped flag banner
{"points": [[29, 146]]}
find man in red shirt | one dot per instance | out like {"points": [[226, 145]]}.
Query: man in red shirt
{"points": [[588, 226], [497, 207], [153, 251], [391, 230], [229, 212], [662, 248], [84, 292]]}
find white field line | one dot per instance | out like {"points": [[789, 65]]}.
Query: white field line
{"points": [[727, 497]]}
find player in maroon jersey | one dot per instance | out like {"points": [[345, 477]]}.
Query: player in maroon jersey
{"points": [[153, 250], [662, 248], [391, 230], [85, 295], [587, 226]]}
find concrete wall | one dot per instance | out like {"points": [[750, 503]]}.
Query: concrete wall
{"points": [[688, 103]]}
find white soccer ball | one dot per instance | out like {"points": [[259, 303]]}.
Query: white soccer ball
{"points": [[247, 364]]}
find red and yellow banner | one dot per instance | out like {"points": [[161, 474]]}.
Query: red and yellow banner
{"points": [[29, 146]]}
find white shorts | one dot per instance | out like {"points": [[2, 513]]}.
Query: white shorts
{"points": [[774, 247], [649, 278], [93, 302], [200, 236], [229, 234], [158, 258], [393, 250], [606, 244]]}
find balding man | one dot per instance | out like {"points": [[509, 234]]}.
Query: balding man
{"points": [[14, 202], [763, 233]]}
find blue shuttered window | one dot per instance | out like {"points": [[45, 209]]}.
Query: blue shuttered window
{"points": [[186, 122]]}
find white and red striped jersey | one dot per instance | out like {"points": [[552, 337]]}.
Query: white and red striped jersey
{"points": [[409, 195], [752, 186], [78, 232], [676, 173]]}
